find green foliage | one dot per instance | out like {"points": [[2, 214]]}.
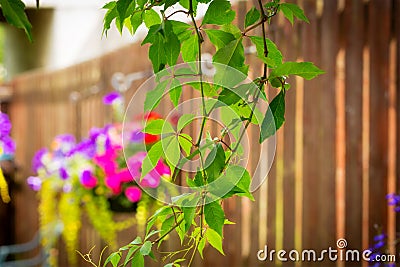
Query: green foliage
{"points": [[292, 10], [306, 70], [275, 116], [197, 217], [252, 17], [14, 12], [219, 13]]}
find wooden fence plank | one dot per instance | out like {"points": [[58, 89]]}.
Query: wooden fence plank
{"points": [[353, 27], [379, 34]]}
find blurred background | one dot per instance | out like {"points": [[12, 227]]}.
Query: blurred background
{"points": [[337, 155]]}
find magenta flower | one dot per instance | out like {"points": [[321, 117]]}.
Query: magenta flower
{"points": [[114, 184], [133, 194], [5, 125], [124, 176], [35, 183], [7, 144], [63, 173], [88, 180], [110, 98], [107, 161], [152, 179]]}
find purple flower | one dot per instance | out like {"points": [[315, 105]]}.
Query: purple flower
{"points": [[379, 237], [35, 183], [88, 180], [63, 173], [7, 144], [63, 145], [37, 162], [394, 200], [137, 137], [110, 98], [5, 125]]}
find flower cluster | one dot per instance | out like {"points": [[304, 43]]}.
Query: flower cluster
{"points": [[380, 245], [7, 145], [97, 162], [394, 200], [7, 148], [92, 178]]}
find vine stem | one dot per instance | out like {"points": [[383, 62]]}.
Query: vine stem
{"points": [[167, 233], [264, 80], [200, 40]]}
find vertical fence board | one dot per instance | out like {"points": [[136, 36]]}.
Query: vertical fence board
{"points": [[353, 28], [379, 55]]}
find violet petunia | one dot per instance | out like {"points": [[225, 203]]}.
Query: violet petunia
{"points": [[110, 98], [37, 161], [35, 183], [63, 173], [8, 145], [5, 125], [88, 180]]}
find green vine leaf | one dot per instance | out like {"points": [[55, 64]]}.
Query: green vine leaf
{"points": [[111, 14], [215, 240], [157, 53], [138, 260], [292, 10], [152, 157], [232, 55], [14, 12], [173, 152], [153, 97], [214, 216], [274, 58], [219, 12], [169, 3], [190, 48], [185, 141], [274, 118], [124, 10], [130, 253], [159, 126], [306, 70], [136, 21], [175, 91], [146, 248], [215, 163], [172, 45], [252, 17], [219, 38], [114, 259], [151, 17], [181, 29], [184, 120], [200, 247]]}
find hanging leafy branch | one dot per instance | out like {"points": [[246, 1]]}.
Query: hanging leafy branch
{"points": [[14, 12], [198, 218]]}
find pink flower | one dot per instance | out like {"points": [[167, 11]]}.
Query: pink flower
{"points": [[114, 183], [107, 161], [152, 179], [88, 180], [133, 193], [124, 176]]}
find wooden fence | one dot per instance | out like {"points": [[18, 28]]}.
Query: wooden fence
{"points": [[337, 155]]}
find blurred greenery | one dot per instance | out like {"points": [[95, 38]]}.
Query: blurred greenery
{"points": [[1, 44]]}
